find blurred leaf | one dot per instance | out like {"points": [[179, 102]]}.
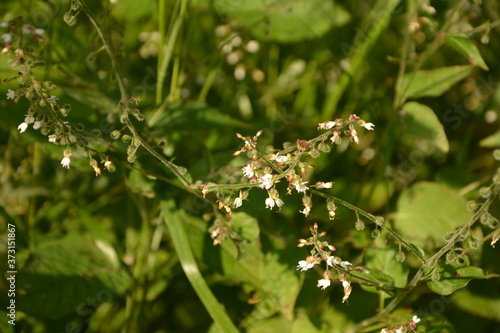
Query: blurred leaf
{"points": [[286, 21], [303, 324], [194, 116], [429, 210], [453, 277], [465, 46], [422, 122], [491, 141], [486, 306], [376, 275], [384, 259], [282, 282], [271, 325], [433, 83], [62, 274], [141, 184], [174, 220]]}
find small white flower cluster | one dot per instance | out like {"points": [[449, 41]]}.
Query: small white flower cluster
{"points": [[336, 268], [351, 132], [411, 326], [28, 30]]}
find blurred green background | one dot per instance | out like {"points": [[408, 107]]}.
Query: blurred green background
{"points": [[94, 254]]}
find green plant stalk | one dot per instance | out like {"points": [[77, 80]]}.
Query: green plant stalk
{"points": [[182, 247], [169, 48], [358, 53], [111, 54], [207, 85]]}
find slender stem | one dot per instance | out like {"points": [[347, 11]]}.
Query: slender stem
{"points": [[109, 50]]}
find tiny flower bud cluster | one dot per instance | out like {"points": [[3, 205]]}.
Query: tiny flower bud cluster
{"points": [[336, 269], [44, 113]]}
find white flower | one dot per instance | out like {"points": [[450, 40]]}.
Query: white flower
{"points": [[398, 330], [344, 264], [52, 138], [11, 94], [281, 159], [7, 38], [39, 31], [267, 181], [306, 211], [330, 261], [304, 265], [369, 126], [71, 138], [247, 171], [323, 283], [270, 203], [330, 124], [237, 202], [37, 125], [279, 203], [22, 127], [29, 119], [415, 319], [65, 162], [301, 187], [384, 330], [52, 99], [327, 185]]}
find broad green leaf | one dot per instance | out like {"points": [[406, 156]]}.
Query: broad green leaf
{"points": [[486, 306], [303, 324], [175, 224], [433, 83], [61, 275], [286, 21], [192, 116], [491, 141], [384, 259], [422, 122], [465, 46], [454, 277], [384, 280], [428, 211], [271, 325]]}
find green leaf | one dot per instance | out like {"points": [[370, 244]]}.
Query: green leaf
{"points": [[433, 83], [429, 210], [453, 277], [286, 21], [384, 259], [491, 141], [181, 243], [63, 274], [422, 122], [194, 116], [466, 47], [486, 306]]}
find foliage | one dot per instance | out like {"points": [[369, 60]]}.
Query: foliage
{"points": [[255, 166]]}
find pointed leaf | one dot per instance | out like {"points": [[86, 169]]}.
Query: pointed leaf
{"points": [[491, 141], [433, 83], [422, 122], [465, 46], [454, 277]]}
